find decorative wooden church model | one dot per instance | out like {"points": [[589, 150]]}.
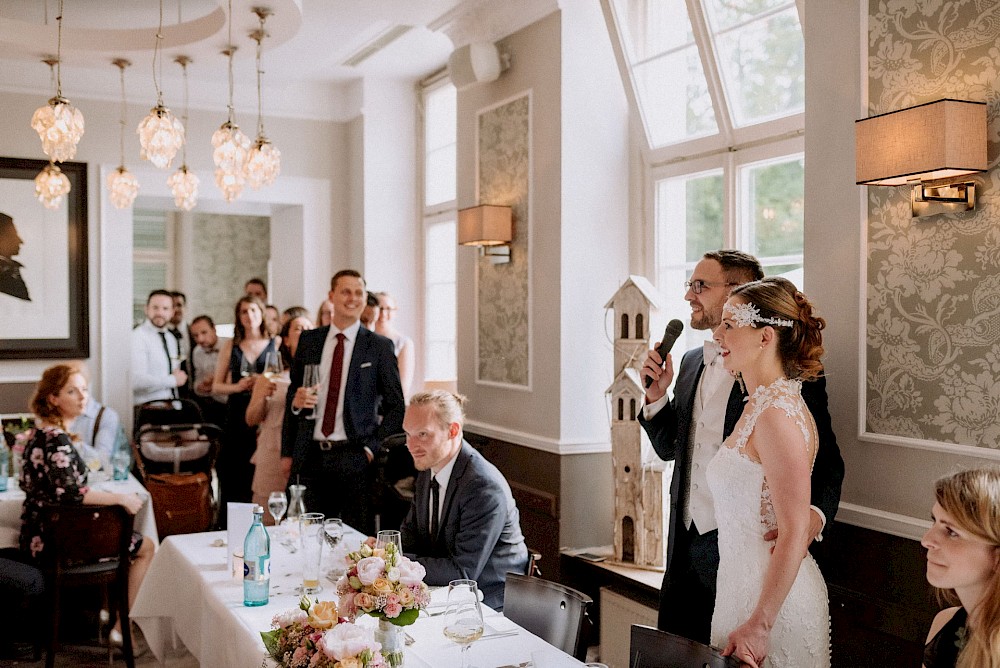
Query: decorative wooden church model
{"points": [[640, 477]]}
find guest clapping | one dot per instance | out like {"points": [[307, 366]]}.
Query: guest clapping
{"points": [[963, 561]]}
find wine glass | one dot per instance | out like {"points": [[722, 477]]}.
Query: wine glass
{"points": [[387, 537], [277, 504], [333, 528], [272, 365], [310, 381], [246, 367], [463, 616]]}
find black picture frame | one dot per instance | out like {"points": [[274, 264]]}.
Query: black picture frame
{"points": [[77, 344]]}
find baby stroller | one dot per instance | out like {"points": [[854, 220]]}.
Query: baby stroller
{"points": [[175, 456]]}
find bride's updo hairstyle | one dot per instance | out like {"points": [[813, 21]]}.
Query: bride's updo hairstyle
{"points": [[799, 346], [972, 499]]}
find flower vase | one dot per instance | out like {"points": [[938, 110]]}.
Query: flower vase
{"points": [[16, 462], [392, 638]]}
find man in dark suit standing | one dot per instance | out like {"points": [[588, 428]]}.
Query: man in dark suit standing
{"points": [[333, 430], [463, 523], [690, 429]]}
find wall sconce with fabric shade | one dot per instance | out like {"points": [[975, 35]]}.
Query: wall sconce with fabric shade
{"points": [[928, 147], [490, 228]]}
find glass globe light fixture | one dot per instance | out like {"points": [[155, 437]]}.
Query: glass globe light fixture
{"points": [[123, 187], [60, 127], [263, 163], [161, 135], [184, 185], [51, 185]]}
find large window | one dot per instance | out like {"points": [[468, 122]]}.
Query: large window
{"points": [[439, 139], [719, 86], [152, 257]]}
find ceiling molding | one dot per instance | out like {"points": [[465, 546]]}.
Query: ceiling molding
{"points": [[489, 21]]}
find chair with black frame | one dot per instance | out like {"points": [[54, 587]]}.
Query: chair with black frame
{"points": [[394, 478], [653, 648], [89, 545], [22, 589], [555, 613]]}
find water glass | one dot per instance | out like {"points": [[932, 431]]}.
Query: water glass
{"points": [[463, 616], [120, 463], [388, 536], [277, 504], [333, 528], [311, 534]]}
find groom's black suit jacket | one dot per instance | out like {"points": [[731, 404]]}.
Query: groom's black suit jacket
{"points": [[669, 432]]}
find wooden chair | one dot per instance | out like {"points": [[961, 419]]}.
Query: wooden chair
{"points": [[555, 613], [88, 545], [653, 648]]}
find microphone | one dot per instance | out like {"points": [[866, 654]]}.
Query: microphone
{"points": [[670, 334]]}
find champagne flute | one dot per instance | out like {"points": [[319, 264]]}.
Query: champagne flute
{"points": [[310, 381], [463, 616], [277, 504], [272, 367]]}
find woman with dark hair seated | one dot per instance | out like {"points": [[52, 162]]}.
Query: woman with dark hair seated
{"points": [[55, 474], [963, 562]]}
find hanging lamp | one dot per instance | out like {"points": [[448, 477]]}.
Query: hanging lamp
{"points": [[59, 124], [51, 185], [122, 184], [161, 135], [264, 162], [229, 145], [184, 183]]}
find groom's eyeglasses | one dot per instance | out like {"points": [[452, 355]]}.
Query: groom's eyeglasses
{"points": [[699, 285]]}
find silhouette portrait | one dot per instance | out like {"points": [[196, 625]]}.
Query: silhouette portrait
{"points": [[11, 282]]}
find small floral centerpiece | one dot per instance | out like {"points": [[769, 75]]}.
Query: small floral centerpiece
{"points": [[312, 636], [17, 432], [383, 583]]}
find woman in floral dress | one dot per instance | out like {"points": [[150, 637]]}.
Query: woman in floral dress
{"points": [[55, 474]]}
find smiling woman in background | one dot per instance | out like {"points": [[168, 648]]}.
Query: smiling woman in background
{"points": [[963, 554], [54, 473]]}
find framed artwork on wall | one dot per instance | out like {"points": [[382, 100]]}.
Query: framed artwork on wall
{"points": [[44, 310]]}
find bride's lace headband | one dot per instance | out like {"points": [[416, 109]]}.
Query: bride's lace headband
{"points": [[748, 315]]}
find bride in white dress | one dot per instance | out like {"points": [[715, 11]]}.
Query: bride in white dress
{"points": [[771, 605]]}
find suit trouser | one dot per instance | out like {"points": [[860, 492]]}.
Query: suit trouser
{"points": [[687, 597], [337, 484]]}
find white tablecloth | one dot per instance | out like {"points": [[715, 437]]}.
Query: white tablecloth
{"points": [[188, 591], [12, 503]]}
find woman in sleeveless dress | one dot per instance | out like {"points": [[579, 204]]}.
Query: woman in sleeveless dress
{"points": [[963, 562], [771, 605], [266, 411], [240, 360]]}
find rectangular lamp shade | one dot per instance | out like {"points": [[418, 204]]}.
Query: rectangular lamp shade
{"points": [[484, 225], [938, 140]]}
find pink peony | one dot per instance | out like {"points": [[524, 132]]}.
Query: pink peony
{"points": [[410, 572], [370, 569], [346, 641]]}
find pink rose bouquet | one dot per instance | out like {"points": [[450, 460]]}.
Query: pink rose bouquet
{"points": [[384, 584], [312, 636]]}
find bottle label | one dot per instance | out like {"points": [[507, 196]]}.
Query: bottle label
{"points": [[259, 570]]}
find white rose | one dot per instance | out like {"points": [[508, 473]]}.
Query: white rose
{"points": [[289, 617]]}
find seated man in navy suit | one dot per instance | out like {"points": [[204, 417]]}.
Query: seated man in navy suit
{"points": [[463, 523], [334, 428]]}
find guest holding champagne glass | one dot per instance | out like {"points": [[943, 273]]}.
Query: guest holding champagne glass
{"points": [[963, 562], [240, 360], [266, 411], [55, 474]]}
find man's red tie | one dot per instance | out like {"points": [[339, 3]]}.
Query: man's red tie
{"points": [[333, 392]]}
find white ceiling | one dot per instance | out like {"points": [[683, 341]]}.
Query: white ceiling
{"points": [[308, 42]]}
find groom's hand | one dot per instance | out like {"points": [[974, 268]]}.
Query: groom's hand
{"points": [[815, 528]]}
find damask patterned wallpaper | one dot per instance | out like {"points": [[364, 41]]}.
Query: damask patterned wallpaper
{"points": [[504, 172], [228, 251], [933, 293]]}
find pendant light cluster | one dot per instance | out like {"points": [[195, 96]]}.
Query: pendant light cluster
{"points": [[238, 161], [122, 184]]}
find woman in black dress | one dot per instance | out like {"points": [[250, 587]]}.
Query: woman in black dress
{"points": [[963, 562]]}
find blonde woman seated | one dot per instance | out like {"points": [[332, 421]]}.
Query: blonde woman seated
{"points": [[55, 474], [963, 562]]}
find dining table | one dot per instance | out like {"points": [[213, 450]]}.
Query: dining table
{"points": [[12, 504], [191, 595]]}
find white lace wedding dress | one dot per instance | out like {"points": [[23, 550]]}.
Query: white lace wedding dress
{"points": [[801, 634]]}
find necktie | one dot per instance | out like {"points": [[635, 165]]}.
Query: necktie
{"points": [[434, 507], [333, 390], [170, 361]]}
